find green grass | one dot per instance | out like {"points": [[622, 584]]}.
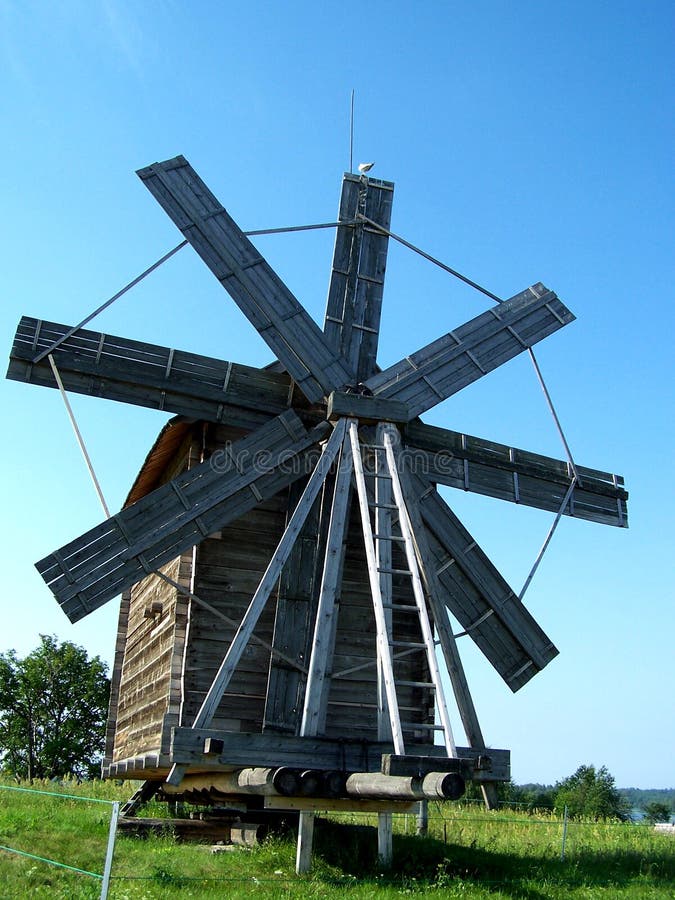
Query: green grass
{"points": [[469, 853]]}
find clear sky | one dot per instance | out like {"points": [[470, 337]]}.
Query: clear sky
{"points": [[528, 142]]}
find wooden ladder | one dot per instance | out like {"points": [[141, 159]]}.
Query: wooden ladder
{"points": [[386, 502]]}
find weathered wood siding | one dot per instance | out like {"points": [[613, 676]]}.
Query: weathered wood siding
{"points": [[166, 660], [146, 687], [149, 690]]}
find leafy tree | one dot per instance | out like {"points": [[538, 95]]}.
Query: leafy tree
{"points": [[53, 708], [656, 811], [533, 797], [590, 793]]}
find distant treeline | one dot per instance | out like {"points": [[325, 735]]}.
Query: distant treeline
{"points": [[638, 798], [543, 795]]}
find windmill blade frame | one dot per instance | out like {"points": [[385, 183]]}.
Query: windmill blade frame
{"points": [[486, 467], [108, 559], [163, 378], [440, 369], [255, 287]]}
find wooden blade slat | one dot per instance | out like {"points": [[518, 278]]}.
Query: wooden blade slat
{"points": [[466, 354], [478, 596], [111, 557], [264, 299], [147, 375], [354, 304], [497, 470]]}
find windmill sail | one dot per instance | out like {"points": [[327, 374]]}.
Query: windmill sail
{"points": [[116, 554], [464, 355], [115, 368], [281, 321]]}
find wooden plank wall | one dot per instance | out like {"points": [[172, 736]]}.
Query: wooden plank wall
{"points": [[147, 675], [228, 570], [299, 587], [149, 694], [170, 659]]}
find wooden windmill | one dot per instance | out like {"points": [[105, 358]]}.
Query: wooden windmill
{"points": [[290, 573]]}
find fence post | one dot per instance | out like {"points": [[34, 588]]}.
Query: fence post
{"points": [[423, 817], [112, 832], [564, 836]]}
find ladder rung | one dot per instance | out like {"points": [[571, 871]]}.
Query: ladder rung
{"points": [[388, 537], [421, 684], [411, 644], [394, 571], [400, 606], [374, 446], [410, 726], [383, 506]]}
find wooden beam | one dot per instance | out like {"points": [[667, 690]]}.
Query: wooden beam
{"points": [[323, 642], [245, 749], [259, 781], [384, 558], [111, 557], [497, 470], [464, 355], [268, 304], [311, 806], [367, 410], [321, 656], [114, 368], [430, 786], [352, 321]]}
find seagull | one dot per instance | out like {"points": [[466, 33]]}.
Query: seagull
{"points": [[365, 167]]}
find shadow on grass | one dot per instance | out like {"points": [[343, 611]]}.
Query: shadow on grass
{"points": [[353, 849]]}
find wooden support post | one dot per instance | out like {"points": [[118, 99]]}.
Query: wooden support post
{"points": [[423, 818], [316, 693], [314, 709], [385, 839], [303, 857], [383, 548]]}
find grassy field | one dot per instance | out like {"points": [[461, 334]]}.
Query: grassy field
{"points": [[469, 853]]}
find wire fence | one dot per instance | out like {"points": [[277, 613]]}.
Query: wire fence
{"points": [[72, 834], [104, 876]]}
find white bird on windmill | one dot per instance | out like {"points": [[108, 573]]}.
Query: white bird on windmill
{"points": [[365, 167]]}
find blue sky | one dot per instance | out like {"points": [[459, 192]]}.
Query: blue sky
{"points": [[528, 142]]}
